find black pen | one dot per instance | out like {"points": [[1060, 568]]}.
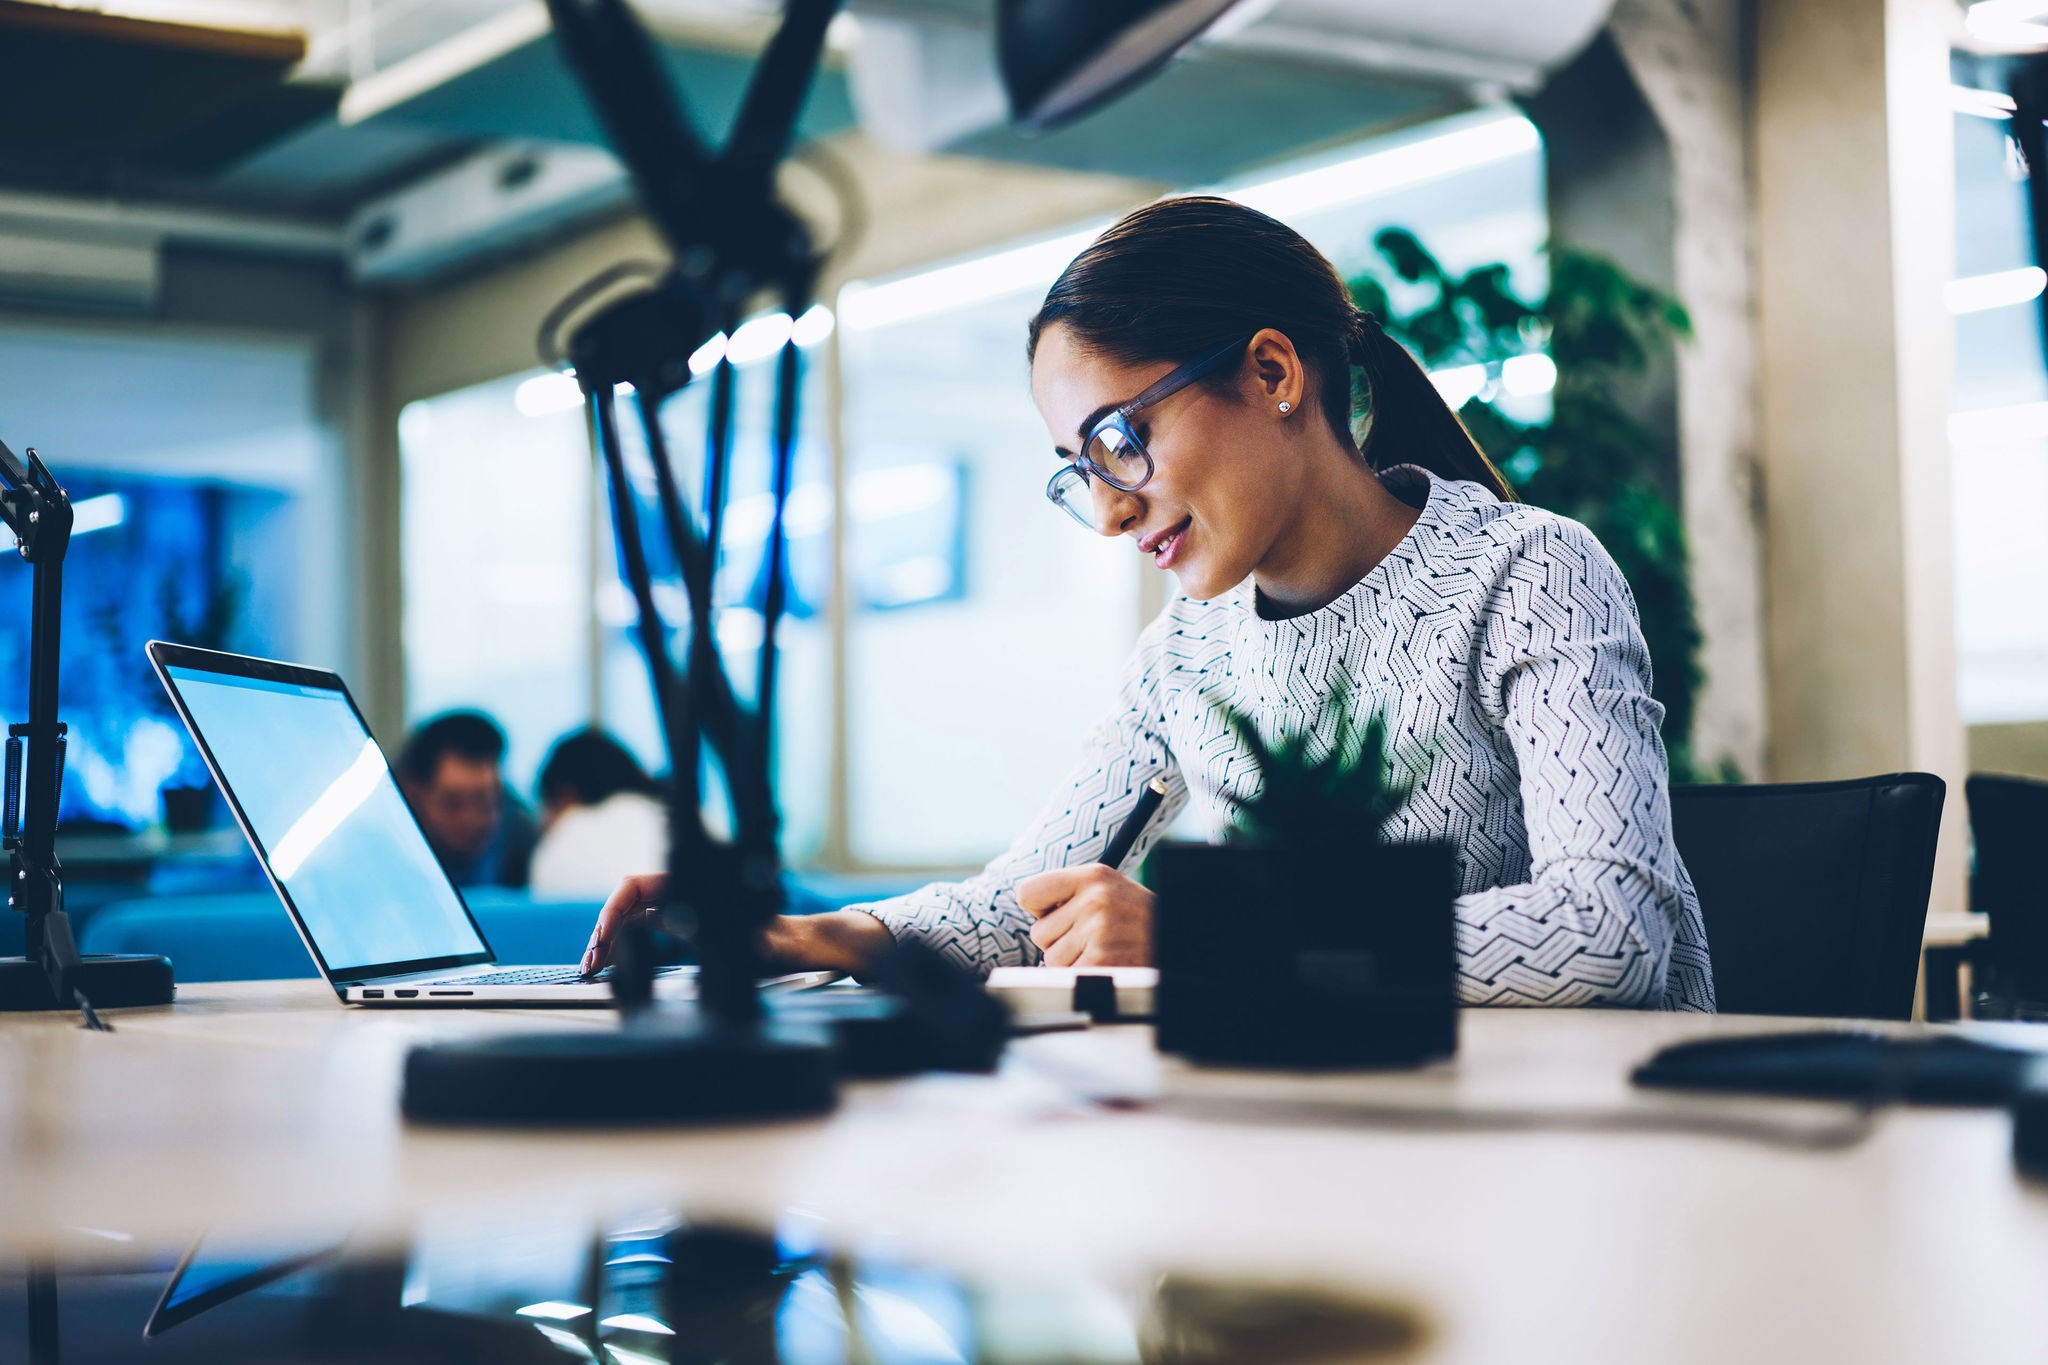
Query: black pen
{"points": [[1134, 824]]}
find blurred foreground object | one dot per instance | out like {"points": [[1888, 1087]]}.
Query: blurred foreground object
{"points": [[1063, 58]]}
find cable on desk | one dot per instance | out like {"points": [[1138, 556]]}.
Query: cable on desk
{"points": [[1836, 1135], [1855, 1122]]}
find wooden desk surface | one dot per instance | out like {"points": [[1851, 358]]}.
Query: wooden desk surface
{"points": [[266, 1105]]}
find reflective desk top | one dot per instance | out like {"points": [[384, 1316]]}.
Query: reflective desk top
{"points": [[1524, 1198]]}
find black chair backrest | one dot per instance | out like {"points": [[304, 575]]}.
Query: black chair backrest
{"points": [[1814, 893], [2009, 825]]}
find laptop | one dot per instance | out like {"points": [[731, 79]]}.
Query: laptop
{"points": [[311, 790]]}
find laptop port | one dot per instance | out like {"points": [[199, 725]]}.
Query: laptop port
{"points": [[451, 992], [373, 995], [405, 995]]}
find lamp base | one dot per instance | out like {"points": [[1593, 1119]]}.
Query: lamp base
{"points": [[652, 1070], [112, 981]]}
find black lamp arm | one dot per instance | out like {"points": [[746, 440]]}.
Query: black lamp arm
{"points": [[731, 238], [38, 511]]}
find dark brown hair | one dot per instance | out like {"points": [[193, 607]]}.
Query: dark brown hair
{"points": [[1183, 276]]}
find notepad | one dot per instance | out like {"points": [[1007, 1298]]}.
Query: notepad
{"points": [[1105, 993]]}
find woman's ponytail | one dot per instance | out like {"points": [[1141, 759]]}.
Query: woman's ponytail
{"points": [[1183, 276], [1407, 420]]}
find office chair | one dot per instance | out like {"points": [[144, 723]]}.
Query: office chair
{"points": [[1814, 893], [2009, 967]]}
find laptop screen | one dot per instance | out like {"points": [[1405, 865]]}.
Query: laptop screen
{"points": [[321, 805]]}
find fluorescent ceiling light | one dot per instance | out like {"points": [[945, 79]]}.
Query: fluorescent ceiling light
{"points": [[814, 326], [469, 50], [1040, 263], [1965, 99], [639, 1322], [706, 357], [1397, 168], [758, 338], [102, 513], [2007, 11], [1990, 428], [761, 337], [1980, 293], [2008, 23], [554, 1310], [956, 286]]}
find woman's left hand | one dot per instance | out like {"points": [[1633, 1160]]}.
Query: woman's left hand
{"points": [[1091, 916]]}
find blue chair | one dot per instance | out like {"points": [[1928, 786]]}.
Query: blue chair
{"points": [[248, 936]]}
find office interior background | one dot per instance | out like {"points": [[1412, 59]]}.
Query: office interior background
{"points": [[283, 353]]}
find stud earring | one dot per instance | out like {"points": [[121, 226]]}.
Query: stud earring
{"points": [[1286, 408]]}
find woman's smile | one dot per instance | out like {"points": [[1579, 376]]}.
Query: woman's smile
{"points": [[1165, 547]]}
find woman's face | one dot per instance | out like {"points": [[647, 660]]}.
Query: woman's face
{"points": [[1220, 491]]}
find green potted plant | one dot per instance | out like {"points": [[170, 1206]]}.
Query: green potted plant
{"points": [[1589, 457], [1306, 939]]}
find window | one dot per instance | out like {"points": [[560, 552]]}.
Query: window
{"points": [[514, 602], [989, 692], [201, 486], [966, 705], [1999, 433]]}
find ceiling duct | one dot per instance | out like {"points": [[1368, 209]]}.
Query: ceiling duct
{"points": [[72, 275], [492, 202], [1270, 79]]}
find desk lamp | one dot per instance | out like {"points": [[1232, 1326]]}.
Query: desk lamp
{"points": [[731, 239], [51, 975]]}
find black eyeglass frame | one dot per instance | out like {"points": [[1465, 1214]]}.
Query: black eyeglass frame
{"points": [[1119, 419]]}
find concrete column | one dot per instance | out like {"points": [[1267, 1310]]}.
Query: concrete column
{"points": [[1608, 191], [1647, 150], [1687, 58], [1855, 240]]}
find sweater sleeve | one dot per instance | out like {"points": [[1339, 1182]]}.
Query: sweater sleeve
{"points": [[978, 922], [1565, 675]]}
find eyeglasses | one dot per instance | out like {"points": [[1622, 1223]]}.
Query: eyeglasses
{"points": [[1113, 453]]}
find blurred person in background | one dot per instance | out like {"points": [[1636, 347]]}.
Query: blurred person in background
{"points": [[452, 771], [602, 818]]}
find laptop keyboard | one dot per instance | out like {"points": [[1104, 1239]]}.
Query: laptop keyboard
{"points": [[524, 976]]}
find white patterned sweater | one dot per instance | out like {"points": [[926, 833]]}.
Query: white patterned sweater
{"points": [[1500, 641]]}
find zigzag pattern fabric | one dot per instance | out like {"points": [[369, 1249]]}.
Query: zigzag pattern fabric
{"points": [[1500, 641]]}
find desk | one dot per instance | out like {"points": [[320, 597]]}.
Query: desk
{"points": [[252, 1105]]}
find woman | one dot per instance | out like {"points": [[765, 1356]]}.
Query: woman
{"points": [[1194, 366]]}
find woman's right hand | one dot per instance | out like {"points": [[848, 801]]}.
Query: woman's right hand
{"points": [[635, 899], [847, 941]]}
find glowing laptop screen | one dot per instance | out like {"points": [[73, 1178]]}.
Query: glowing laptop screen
{"points": [[320, 799]]}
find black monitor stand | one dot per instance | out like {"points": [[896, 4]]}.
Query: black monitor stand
{"points": [[51, 975]]}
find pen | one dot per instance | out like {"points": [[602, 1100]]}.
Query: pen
{"points": [[1134, 824]]}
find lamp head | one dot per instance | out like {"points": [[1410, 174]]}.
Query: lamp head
{"points": [[1062, 58]]}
